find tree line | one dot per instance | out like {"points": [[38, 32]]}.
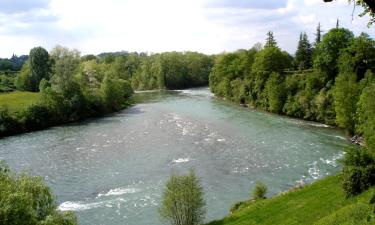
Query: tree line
{"points": [[73, 87], [331, 81]]}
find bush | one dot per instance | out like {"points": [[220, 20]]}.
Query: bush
{"points": [[27, 200], [259, 191], [359, 170], [182, 200], [8, 124]]}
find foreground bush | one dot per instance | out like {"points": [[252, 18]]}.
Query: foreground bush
{"points": [[259, 191], [182, 201], [359, 170], [26, 200]]}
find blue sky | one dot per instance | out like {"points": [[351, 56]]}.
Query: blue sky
{"points": [[209, 26]]}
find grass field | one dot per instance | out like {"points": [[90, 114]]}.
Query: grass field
{"points": [[18, 100], [323, 202]]}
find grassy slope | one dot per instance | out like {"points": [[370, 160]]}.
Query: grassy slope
{"points": [[304, 206], [18, 100]]}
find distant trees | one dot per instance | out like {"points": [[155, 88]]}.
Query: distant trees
{"points": [[183, 201], [27, 200]]}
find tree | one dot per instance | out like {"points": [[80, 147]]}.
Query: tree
{"points": [[270, 41], [65, 65], [366, 112], [359, 56], [39, 63], [304, 53], [27, 200], [271, 59], [275, 90], [182, 200], [318, 35], [328, 51], [345, 94]]}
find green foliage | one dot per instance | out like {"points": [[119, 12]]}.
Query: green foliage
{"points": [[328, 51], [23, 80], [303, 58], [366, 112], [26, 200], [114, 92], [346, 93], [275, 90], [270, 41], [65, 66], [358, 171], [272, 59], [259, 191], [39, 65], [367, 11], [8, 124], [359, 56], [182, 200], [318, 36]]}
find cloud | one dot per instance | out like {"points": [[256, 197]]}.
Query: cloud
{"points": [[209, 26], [262, 4]]}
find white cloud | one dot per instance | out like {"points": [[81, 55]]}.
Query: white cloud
{"points": [[95, 26]]}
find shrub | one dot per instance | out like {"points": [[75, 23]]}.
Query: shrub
{"points": [[27, 200], [8, 124], [259, 191], [182, 201], [359, 170]]}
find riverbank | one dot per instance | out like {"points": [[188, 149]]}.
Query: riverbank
{"points": [[27, 116], [320, 203]]}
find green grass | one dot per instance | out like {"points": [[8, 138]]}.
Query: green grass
{"points": [[307, 205], [18, 100]]}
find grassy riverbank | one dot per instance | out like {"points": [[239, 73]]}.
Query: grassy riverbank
{"points": [[322, 202], [18, 100]]}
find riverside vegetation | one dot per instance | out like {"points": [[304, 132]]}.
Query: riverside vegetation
{"points": [[330, 81], [71, 87]]}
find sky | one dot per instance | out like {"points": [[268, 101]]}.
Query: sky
{"points": [[208, 26]]}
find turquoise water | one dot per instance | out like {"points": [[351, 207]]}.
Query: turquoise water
{"points": [[112, 170]]}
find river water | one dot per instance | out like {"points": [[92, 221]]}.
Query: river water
{"points": [[112, 170]]}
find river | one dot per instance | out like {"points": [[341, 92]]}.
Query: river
{"points": [[112, 170]]}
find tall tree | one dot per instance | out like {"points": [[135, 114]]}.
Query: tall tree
{"points": [[318, 35], [39, 64], [270, 41], [304, 53], [328, 51]]}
